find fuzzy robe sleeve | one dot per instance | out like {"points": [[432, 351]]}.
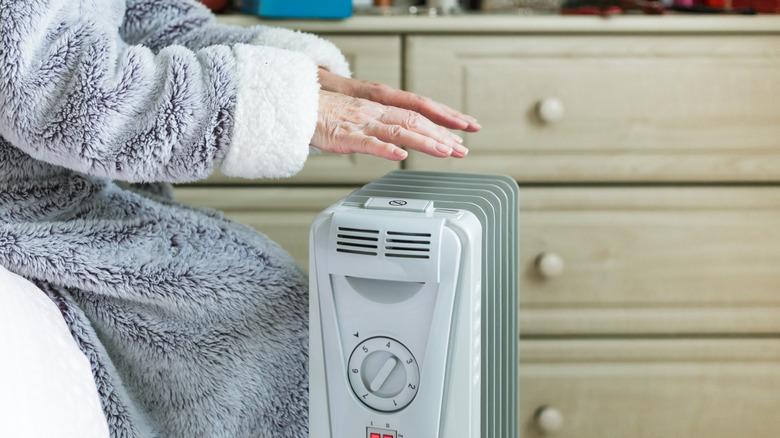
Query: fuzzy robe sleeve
{"points": [[160, 23], [75, 94]]}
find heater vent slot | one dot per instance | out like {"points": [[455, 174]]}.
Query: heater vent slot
{"points": [[408, 245], [357, 241], [352, 251], [406, 256], [358, 230], [399, 233]]}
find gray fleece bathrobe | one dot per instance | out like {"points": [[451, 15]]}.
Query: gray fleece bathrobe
{"points": [[195, 326]]}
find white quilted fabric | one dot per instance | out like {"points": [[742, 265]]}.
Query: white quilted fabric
{"points": [[46, 386]]}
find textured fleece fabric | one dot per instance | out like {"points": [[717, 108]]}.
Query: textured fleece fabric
{"points": [[194, 326]]}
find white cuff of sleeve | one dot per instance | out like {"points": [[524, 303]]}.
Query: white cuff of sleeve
{"points": [[322, 52], [276, 113]]}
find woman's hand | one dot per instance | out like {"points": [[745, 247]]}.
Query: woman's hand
{"points": [[349, 124], [434, 111], [358, 116]]}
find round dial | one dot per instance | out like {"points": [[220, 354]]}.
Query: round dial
{"points": [[384, 374]]}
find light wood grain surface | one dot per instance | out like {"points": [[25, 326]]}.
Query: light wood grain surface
{"points": [[651, 260], [682, 388], [632, 108], [519, 24]]}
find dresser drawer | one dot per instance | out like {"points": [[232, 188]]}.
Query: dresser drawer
{"points": [[649, 260], [283, 214], [375, 58], [609, 108], [651, 388], [634, 261]]}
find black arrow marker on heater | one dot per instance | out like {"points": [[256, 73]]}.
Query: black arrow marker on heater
{"points": [[356, 334]]}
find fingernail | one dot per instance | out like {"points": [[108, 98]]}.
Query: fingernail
{"points": [[462, 150], [400, 153], [458, 138], [444, 149]]}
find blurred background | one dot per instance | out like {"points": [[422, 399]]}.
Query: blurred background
{"points": [[331, 9], [645, 136]]}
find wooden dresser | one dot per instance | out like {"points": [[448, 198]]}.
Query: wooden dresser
{"points": [[648, 153]]}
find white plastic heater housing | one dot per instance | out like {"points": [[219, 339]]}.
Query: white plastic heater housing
{"points": [[395, 322]]}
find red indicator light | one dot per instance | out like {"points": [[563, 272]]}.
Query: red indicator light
{"points": [[375, 435], [388, 436]]}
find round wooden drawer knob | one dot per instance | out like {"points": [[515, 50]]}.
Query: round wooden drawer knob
{"points": [[550, 110], [549, 420], [550, 265]]}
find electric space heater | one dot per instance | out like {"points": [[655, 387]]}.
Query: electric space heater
{"points": [[413, 309]]}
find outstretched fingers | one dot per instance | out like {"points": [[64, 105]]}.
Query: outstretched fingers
{"points": [[473, 124], [438, 113], [416, 123], [365, 143], [399, 135]]}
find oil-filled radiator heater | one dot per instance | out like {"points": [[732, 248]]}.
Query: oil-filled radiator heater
{"points": [[414, 309]]}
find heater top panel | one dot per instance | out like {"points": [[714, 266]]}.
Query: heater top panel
{"points": [[389, 238]]}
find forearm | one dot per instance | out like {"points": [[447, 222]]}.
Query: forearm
{"points": [[162, 23], [83, 99]]}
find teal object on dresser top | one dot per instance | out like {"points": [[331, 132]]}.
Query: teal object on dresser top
{"points": [[329, 9]]}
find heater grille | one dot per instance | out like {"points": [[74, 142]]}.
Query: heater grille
{"points": [[398, 244], [408, 245], [357, 241]]}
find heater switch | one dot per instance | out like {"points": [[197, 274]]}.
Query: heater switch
{"points": [[381, 433], [384, 374], [414, 205]]}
